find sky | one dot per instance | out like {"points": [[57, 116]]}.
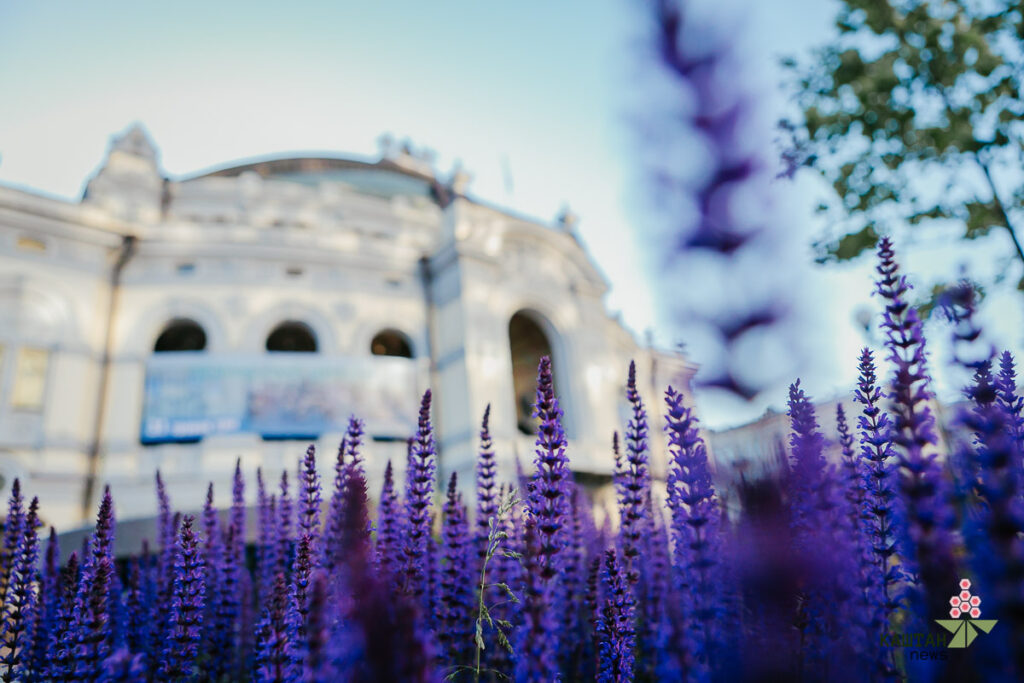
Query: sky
{"points": [[535, 99]]}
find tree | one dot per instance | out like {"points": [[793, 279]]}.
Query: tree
{"points": [[914, 115]]}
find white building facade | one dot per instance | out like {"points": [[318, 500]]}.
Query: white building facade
{"points": [[180, 324]]}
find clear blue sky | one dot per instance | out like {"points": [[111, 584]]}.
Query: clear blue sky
{"points": [[543, 88]]}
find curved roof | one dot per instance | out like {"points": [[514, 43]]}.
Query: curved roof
{"points": [[384, 178]]}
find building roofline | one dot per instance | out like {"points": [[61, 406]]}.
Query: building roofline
{"points": [[266, 165]]}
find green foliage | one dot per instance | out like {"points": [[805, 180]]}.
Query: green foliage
{"points": [[914, 116]]}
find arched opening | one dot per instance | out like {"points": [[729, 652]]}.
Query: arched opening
{"points": [[391, 343], [292, 337], [529, 344], [181, 335]]}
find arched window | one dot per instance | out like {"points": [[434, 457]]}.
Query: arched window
{"points": [[293, 337], [391, 343], [528, 343], [181, 335]]}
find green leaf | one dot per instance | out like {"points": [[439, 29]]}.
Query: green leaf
{"points": [[981, 218], [854, 244], [508, 592], [503, 641]]}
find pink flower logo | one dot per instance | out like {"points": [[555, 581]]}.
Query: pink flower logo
{"points": [[964, 603], [966, 612]]}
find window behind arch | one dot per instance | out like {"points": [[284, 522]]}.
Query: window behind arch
{"points": [[391, 343], [293, 337], [181, 335], [528, 344]]}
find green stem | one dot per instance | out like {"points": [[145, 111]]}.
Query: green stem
{"points": [[480, 603]]}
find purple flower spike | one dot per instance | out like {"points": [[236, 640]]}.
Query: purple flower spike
{"points": [[123, 667], [44, 621], [310, 499], [213, 549], [536, 650], [389, 525], [221, 584], [353, 440], [419, 494], [12, 537], [302, 570], [619, 467], [275, 642], [186, 615], [21, 596], [62, 641], [355, 537], [705, 232], [486, 485], [456, 580], [851, 465], [93, 603], [138, 628], [1010, 401], [165, 522], [817, 518], [286, 521], [268, 546], [636, 482], [348, 464], [695, 528], [238, 513], [929, 515], [336, 510], [548, 502], [317, 666], [879, 494], [615, 632]]}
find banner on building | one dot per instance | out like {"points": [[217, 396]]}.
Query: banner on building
{"points": [[192, 395]]}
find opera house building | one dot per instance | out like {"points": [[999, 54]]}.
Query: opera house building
{"points": [[180, 323]]}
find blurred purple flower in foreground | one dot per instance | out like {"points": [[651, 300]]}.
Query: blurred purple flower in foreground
{"points": [[716, 237]]}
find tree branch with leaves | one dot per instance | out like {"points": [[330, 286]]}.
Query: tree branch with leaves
{"points": [[914, 116]]}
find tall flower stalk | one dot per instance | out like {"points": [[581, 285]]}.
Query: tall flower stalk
{"points": [[486, 485], [389, 525], [419, 493], [705, 237], [547, 501], [695, 528], [93, 601], [636, 482], [21, 596], [310, 498], [929, 516], [456, 578], [878, 514], [186, 617], [615, 630]]}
